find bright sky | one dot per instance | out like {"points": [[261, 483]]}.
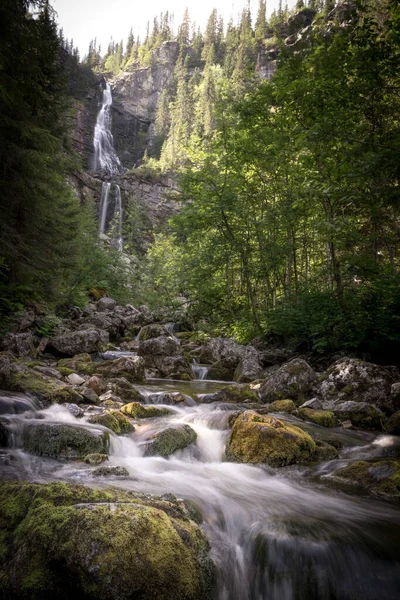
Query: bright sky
{"points": [[83, 20]]}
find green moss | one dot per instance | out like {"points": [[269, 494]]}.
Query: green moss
{"points": [[65, 371], [81, 363], [170, 440], [124, 424], [325, 418], [325, 451], [263, 439], [49, 389], [63, 540], [237, 394], [392, 425], [106, 420], [60, 440], [380, 478], [95, 459], [287, 406], [186, 377], [348, 389], [138, 411]]}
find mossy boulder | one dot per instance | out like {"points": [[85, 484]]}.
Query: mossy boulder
{"points": [[138, 411], [325, 451], [291, 381], [125, 390], [69, 541], [361, 414], [380, 478], [47, 389], [285, 406], [110, 471], [233, 394], [325, 418], [263, 439], [129, 367], [60, 440], [170, 440], [392, 425], [71, 343], [154, 330], [114, 420], [81, 363]]}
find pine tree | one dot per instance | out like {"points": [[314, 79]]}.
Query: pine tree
{"points": [[261, 22]]}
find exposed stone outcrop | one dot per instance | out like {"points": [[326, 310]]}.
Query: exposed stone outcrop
{"points": [[291, 381]]}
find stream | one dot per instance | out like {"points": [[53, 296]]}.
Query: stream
{"points": [[276, 534]]}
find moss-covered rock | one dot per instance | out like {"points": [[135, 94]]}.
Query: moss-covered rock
{"points": [[263, 439], [110, 471], [47, 389], [325, 451], [112, 420], [361, 414], [392, 425], [138, 411], [380, 478], [325, 418], [170, 440], [285, 406], [60, 440], [125, 390], [233, 394], [68, 541], [95, 459], [82, 363]]}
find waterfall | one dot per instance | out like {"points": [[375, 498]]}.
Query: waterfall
{"points": [[105, 157], [107, 163]]}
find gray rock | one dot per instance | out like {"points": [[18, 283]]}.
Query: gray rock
{"points": [[63, 441], [314, 403], [160, 346], [97, 384], [293, 381], [358, 381], [361, 414], [154, 330], [110, 472], [75, 379], [131, 367], [78, 342], [75, 410], [106, 304], [48, 371], [249, 367], [89, 396], [224, 351], [20, 344]]}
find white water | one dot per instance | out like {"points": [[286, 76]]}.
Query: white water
{"points": [[275, 535], [107, 164]]}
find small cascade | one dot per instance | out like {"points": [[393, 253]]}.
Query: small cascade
{"points": [[199, 371], [107, 164]]}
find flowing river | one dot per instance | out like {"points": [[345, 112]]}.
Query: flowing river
{"points": [[285, 534]]}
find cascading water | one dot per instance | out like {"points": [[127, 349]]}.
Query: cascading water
{"points": [[107, 164], [275, 535]]}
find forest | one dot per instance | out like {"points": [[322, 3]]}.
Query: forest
{"points": [[289, 226]]}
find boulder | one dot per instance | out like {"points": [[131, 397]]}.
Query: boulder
{"points": [[234, 394], [173, 367], [69, 541], [325, 418], [264, 439], [169, 398], [125, 390], [47, 389], [351, 379], [249, 367], [75, 410], [97, 384], [393, 403], [392, 425], [115, 421], [291, 381], [80, 363], [95, 459], [89, 396], [225, 352], [105, 304], [60, 440], [381, 478], [138, 411], [152, 331], [170, 440], [20, 344], [110, 472], [130, 367], [77, 342], [160, 346], [285, 406], [361, 414], [48, 371]]}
